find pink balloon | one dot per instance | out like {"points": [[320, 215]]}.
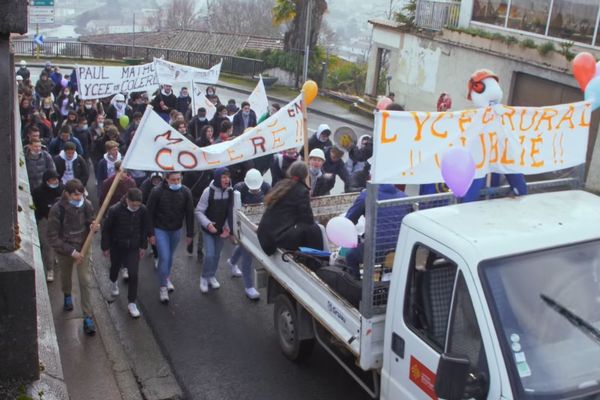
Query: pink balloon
{"points": [[64, 82], [342, 232], [458, 170], [383, 103]]}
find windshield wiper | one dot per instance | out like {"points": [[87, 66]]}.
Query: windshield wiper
{"points": [[573, 318]]}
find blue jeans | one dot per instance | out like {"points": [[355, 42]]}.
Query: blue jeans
{"points": [[166, 243], [212, 252], [241, 252]]}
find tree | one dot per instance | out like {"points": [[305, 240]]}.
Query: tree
{"points": [[179, 14], [293, 13], [247, 17]]}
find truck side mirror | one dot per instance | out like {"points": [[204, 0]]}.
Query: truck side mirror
{"points": [[451, 376]]}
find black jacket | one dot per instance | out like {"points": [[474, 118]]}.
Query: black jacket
{"points": [[80, 168], [195, 126], [168, 208], [170, 101], [123, 228], [44, 197], [238, 122], [292, 209]]}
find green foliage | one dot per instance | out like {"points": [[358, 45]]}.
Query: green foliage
{"points": [[345, 76], [510, 40], [407, 14], [565, 50], [546, 48], [283, 11], [528, 44]]}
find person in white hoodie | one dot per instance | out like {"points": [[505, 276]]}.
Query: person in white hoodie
{"points": [[320, 140], [106, 166], [70, 166], [214, 213]]}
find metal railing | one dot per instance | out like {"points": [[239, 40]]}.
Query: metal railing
{"points": [[231, 64], [437, 14], [381, 237]]}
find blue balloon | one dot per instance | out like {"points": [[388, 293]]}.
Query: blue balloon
{"points": [[592, 92]]}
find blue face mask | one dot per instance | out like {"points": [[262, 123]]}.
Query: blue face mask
{"points": [[174, 186], [53, 185], [76, 203]]}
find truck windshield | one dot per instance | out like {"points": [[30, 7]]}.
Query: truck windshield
{"points": [[546, 308]]}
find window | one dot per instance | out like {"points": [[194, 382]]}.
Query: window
{"points": [[427, 307], [529, 15], [574, 20], [490, 11], [464, 337]]}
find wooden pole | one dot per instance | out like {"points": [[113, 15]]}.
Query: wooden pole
{"points": [[305, 129], [88, 241]]}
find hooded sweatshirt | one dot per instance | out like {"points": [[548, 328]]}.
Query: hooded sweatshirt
{"points": [[315, 141], [37, 164], [216, 205], [69, 170]]}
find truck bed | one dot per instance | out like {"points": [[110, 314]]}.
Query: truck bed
{"points": [[361, 336]]}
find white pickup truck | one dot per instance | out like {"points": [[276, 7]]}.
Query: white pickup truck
{"points": [[497, 299]]}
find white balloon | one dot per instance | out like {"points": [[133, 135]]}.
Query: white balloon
{"points": [[491, 95], [342, 232], [597, 69]]}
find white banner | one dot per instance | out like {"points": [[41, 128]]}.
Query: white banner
{"points": [[158, 147], [200, 100], [171, 73], [96, 82], [409, 146], [258, 99]]}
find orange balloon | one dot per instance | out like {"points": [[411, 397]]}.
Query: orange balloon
{"points": [[584, 68], [310, 90]]}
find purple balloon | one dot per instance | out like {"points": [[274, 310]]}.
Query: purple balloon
{"points": [[458, 170], [64, 82]]}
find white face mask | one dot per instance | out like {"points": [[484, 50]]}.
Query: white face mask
{"points": [[88, 106], [100, 124]]}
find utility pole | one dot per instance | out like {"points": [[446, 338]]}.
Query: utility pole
{"points": [[133, 39], [307, 40]]}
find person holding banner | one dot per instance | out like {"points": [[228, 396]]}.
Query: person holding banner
{"points": [[215, 215], [244, 119], [169, 204], [164, 102], [69, 222], [198, 122], [184, 101]]}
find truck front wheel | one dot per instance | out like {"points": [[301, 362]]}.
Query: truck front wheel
{"points": [[286, 327]]}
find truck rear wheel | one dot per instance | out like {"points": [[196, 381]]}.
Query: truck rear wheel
{"points": [[286, 327]]}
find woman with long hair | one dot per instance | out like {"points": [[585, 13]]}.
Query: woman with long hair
{"points": [[288, 221], [206, 137]]}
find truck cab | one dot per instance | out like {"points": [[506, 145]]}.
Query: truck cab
{"points": [[497, 299]]}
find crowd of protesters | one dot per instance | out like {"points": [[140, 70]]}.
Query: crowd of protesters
{"points": [[67, 139]]}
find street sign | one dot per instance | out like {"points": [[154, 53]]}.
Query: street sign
{"points": [[41, 11], [42, 3], [38, 39], [41, 19]]}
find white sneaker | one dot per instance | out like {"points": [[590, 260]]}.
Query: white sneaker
{"points": [[114, 288], [133, 310], [50, 276], [125, 274], [170, 286], [235, 271], [214, 283], [203, 285], [156, 263], [252, 293], [164, 294]]}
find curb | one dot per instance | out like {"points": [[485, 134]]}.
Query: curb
{"points": [[310, 109]]}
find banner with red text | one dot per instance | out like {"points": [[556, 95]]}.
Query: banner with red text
{"points": [[157, 146], [409, 146]]}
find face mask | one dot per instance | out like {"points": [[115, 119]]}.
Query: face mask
{"points": [[245, 114], [101, 125], [46, 107], [88, 106], [67, 93], [84, 126], [36, 153], [53, 185], [133, 209], [323, 138], [174, 186], [314, 170], [76, 203], [119, 105]]}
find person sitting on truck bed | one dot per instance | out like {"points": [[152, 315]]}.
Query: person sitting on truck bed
{"points": [[288, 221], [388, 224]]}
